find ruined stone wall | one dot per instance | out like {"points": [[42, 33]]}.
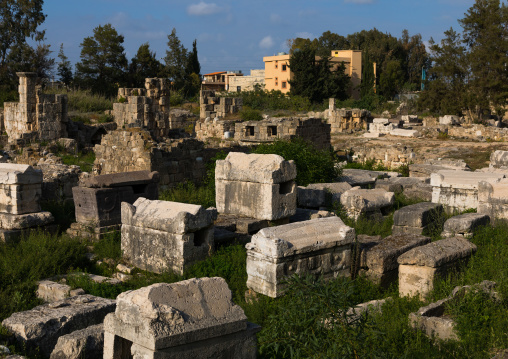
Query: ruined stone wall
{"points": [[206, 129], [311, 129], [247, 83], [135, 150], [392, 156], [478, 131], [36, 116], [147, 108], [213, 106], [346, 120]]}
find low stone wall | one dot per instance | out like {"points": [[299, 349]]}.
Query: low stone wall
{"points": [[346, 120], [135, 150], [213, 106], [206, 129], [478, 131]]}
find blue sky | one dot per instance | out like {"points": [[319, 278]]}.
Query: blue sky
{"points": [[235, 35]]}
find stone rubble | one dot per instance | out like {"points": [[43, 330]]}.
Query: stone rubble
{"points": [[419, 218], [367, 202], [464, 225]]}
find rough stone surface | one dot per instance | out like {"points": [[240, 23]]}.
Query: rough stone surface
{"points": [[404, 133], [493, 199], [419, 267], [364, 178], [319, 246], [417, 218], [20, 188], [162, 235], [50, 291], [257, 186], [177, 318], [459, 189], [464, 224], [379, 256], [318, 195], [43, 325], [303, 214], [84, 343], [358, 202]]}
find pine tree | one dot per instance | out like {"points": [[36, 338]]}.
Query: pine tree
{"points": [[193, 65], [176, 60], [64, 67], [143, 65]]}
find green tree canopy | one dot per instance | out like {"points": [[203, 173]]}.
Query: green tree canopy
{"points": [[64, 68], [143, 65], [103, 63], [176, 60]]}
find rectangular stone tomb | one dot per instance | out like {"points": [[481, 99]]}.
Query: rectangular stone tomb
{"points": [[459, 189], [160, 235], [41, 326], [418, 218], [190, 319], [98, 199], [367, 202], [317, 195], [15, 226], [419, 267], [464, 225], [378, 258], [257, 186], [319, 246], [20, 188], [493, 199]]}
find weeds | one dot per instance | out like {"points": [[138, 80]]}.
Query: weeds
{"points": [[83, 160], [84, 100]]}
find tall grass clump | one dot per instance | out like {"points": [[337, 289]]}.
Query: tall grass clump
{"points": [[312, 165], [84, 100]]}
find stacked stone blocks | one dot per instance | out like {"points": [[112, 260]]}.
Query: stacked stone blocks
{"points": [[211, 105], [346, 120]]}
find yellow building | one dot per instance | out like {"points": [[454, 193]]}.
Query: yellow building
{"points": [[278, 75]]}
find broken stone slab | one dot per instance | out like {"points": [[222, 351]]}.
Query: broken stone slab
{"points": [[303, 214], [372, 134], [493, 199], [256, 168], [97, 278], [432, 320], [24, 221], [375, 202], [318, 195], [191, 318], [160, 235], [499, 159], [418, 218], [319, 246], [356, 312], [50, 291], [449, 120], [433, 166], [384, 121], [459, 189], [256, 186], [422, 192], [134, 178], [464, 225], [84, 343], [419, 267], [379, 258], [404, 132], [43, 325]]}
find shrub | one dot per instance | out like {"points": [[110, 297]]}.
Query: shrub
{"points": [[249, 114], [84, 100], [312, 165]]}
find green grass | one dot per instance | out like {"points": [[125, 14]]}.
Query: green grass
{"points": [[188, 192], [84, 100], [83, 160]]}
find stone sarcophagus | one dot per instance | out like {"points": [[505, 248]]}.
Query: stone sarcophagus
{"points": [[160, 235], [20, 194], [191, 319], [98, 200], [319, 246], [257, 186]]}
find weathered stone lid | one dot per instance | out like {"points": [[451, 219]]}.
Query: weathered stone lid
{"points": [[418, 214], [438, 253], [257, 168], [172, 217], [164, 315], [301, 237], [11, 173], [463, 179], [120, 179]]}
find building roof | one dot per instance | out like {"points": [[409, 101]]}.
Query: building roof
{"points": [[215, 73]]}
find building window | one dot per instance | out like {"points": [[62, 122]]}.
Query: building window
{"points": [[238, 88], [284, 67], [336, 53], [271, 131], [276, 65], [283, 84], [276, 81], [249, 131]]}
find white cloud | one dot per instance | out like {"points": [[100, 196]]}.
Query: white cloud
{"points": [[204, 8], [266, 42], [275, 19], [359, 1], [305, 35]]}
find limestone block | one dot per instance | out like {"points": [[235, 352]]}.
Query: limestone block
{"points": [[162, 235], [417, 218], [493, 199], [24, 221], [255, 168], [11, 173], [419, 266], [499, 159], [84, 343], [317, 195], [449, 120], [189, 319], [459, 189], [464, 224], [379, 257], [319, 246], [303, 214], [372, 134], [43, 325], [404, 133], [383, 121], [359, 202], [50, 291]]}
